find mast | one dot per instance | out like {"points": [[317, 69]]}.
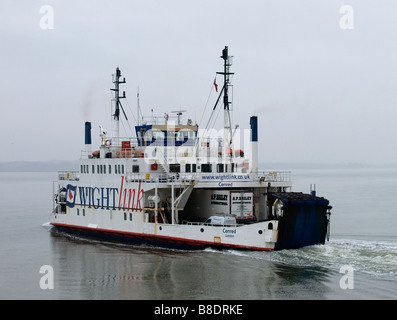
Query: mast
{"points": [[227, 126], [137, 106], [117, 104]]}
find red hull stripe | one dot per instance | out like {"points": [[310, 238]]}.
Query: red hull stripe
{"points": [[144, 236]]}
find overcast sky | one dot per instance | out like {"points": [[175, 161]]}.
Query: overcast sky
{"points": [[322, 93]]}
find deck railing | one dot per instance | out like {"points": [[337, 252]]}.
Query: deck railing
{"points": [[204, 177], [200, 177], [69, 175]]}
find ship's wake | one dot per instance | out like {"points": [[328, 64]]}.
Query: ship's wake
{"points": [[377, 258]]}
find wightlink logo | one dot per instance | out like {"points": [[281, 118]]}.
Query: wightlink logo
{"points": [[105, 198]]}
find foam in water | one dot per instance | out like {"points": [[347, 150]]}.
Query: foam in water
{"points": [[377, 258]]}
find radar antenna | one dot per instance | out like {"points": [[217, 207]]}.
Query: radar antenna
{"points": [[178, 114]]}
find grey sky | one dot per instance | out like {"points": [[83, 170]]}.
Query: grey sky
{"points": [[322, 94]]}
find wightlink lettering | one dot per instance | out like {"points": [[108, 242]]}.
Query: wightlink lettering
{"points": [[94, 197], [130, 198], [122, 198]]}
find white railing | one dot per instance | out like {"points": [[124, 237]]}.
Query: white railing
{"points": [[189, 177], [154, 177], [195, 223], [68, 175], [275, 176], [204, 177]]}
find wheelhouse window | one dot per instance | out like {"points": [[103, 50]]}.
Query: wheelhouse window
{"points": [[175, 167]]}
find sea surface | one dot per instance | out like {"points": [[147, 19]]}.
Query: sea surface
{"points": [[359, 261]]}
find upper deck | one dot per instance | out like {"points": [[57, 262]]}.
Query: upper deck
{"points": [[176, 152], [108, 170]]}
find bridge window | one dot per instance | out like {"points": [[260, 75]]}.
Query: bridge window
{"points": [[175, 167]]}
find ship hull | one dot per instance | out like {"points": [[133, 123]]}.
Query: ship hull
{"points": [[135, 238], [121, 211], [301, 220], [130, 238]]}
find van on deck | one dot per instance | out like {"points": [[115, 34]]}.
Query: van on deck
{"points": [[221, 220]]}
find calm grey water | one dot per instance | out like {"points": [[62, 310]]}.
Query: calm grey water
{"points": [[363, 237]]}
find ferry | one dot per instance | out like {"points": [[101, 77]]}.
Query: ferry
{"points": [[173, 184]]}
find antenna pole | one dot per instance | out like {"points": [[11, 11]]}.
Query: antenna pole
{"points": [[138, 107], [116, 115], [227, 121]]}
